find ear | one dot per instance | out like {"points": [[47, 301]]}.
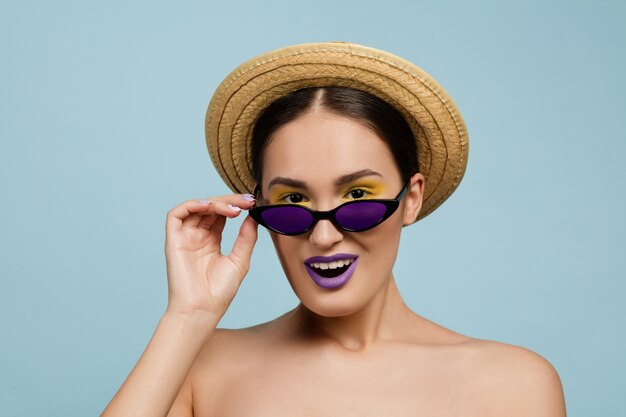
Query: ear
{"points": [[413, 198]]}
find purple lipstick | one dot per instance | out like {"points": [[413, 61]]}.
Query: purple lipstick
{"points": [[331, 271]]}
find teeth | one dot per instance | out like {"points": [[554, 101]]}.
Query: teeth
{"points": [[332, 265]]}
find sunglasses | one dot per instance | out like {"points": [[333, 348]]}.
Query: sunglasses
{"points": [[353, 216]]}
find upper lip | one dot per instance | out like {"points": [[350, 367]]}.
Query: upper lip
{"points": [[332, 258]]}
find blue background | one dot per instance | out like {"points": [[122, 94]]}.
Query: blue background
{"points": [[101, 125]]}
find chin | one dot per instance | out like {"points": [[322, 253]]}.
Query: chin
{"points": [[328, 305], [349, 299]]}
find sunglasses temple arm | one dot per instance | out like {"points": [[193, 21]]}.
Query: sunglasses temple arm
{"points": [[403, 191]]}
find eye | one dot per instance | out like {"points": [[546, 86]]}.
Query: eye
{"points": [[357, 193], [294, 198]]}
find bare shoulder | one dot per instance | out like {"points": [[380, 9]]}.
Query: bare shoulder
{"points": [[222, 359], [229, 348], [229, 352], [518, 381]]}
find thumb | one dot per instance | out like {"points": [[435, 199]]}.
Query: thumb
{"points": [[242, 248]]}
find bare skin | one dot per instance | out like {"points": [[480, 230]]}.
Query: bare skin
{"points": [[353, 351], [274, 369]]}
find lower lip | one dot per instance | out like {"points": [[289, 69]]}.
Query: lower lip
{"points": [[334, 282]]}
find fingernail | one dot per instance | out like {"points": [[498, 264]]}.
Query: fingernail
{"points": [[248, 197], [234, 207], [204, 201]]}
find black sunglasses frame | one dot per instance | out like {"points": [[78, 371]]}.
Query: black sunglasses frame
{"points": [[391, 206]]}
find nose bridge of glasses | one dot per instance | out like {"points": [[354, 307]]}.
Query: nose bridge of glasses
{"points": [[324, 215], [323, 231]]}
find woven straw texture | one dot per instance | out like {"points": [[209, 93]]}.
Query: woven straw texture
{"points": [[434, 118]]}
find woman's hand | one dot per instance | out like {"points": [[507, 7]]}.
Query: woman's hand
{"points": [[201, 280], [202, 283]]}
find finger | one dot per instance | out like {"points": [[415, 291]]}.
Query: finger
{"points": [[218, 226], [209, 215], [198, 220], [206, 220], [214, 224], [178, 214], [201, 219], [244, 201], [194, 219], [242, 248]]}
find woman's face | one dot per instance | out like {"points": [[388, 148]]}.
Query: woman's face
{"points": [[320, 161]]}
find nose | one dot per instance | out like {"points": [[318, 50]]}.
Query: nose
{"points": [[324, 235]]}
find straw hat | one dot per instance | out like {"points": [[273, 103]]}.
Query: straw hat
{"points": [[436, 122]]}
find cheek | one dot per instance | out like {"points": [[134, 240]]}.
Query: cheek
{"points": [[381, 245]]}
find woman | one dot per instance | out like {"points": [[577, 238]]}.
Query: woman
{"points": [[343, 146]]}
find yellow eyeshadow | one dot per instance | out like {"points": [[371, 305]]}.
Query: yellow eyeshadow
{"points": [[278, 195], [373, 189]]}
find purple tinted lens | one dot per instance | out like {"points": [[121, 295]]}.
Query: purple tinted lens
{"points": [[288, 219], [361, 215]]}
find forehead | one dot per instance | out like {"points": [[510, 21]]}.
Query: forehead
{"points": [[321, 146]]}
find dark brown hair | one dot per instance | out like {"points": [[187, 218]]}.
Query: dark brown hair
{"points": [[365, 108]]}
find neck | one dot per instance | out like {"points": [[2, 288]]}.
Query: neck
{"points": [[383, 318]]}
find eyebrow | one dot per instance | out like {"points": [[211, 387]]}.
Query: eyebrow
{"points": [[348, 178], [344, 179]]}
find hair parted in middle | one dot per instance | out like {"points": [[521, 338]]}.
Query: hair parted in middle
{"points": [[362, 107]]}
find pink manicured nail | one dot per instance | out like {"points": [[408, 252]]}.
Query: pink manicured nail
{"points": [[248, 197], [234, 207]]}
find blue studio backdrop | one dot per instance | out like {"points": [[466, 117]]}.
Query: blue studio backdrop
{"points": [[101, 133]]}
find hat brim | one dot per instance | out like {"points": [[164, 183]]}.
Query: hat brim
{"points": [[436, 122]]}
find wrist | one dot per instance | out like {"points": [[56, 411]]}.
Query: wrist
{"points": [[192, 318]]}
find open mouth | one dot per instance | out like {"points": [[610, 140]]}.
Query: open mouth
{"points": [[331, 269], [331, 272]]}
